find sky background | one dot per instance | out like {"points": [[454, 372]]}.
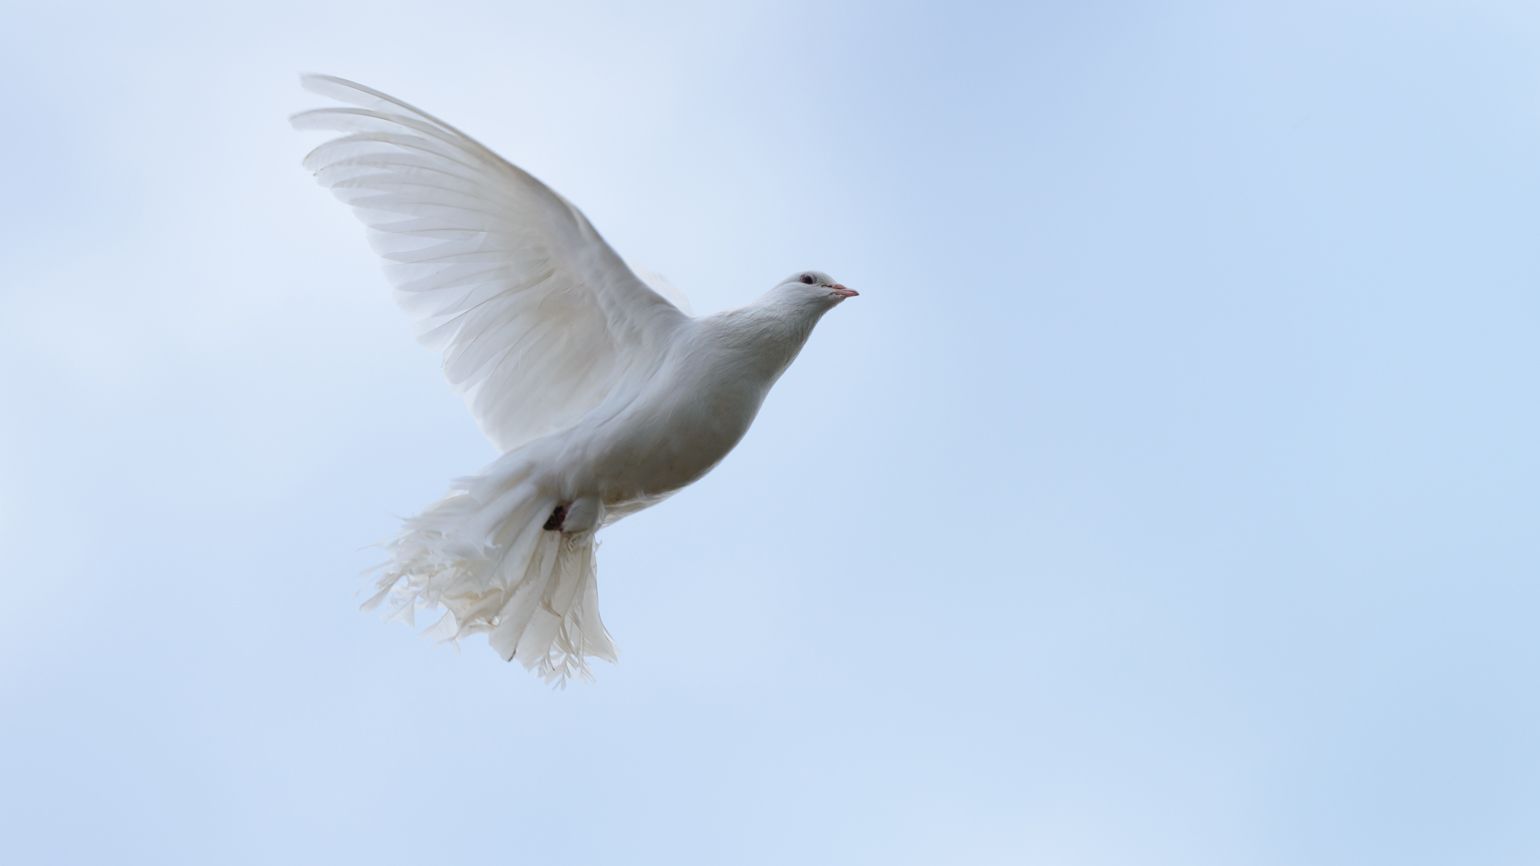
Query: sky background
{"points": [[1169, 496]]}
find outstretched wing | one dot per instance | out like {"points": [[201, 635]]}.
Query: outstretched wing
{"points": [[537, 317]]}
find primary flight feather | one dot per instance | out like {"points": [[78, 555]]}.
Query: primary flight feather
{"points": [[603, 396]]}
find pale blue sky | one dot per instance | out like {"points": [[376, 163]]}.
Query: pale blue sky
{"points": [[1168, 497]]}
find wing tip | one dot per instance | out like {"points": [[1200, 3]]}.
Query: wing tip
{"points": [[349, 92], [317, 82]]}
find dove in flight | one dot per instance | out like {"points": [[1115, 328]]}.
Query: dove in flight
{"points": [[602, 396]]}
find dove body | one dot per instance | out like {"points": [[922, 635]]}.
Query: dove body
{"points": [[602, 396], [691, 413]]}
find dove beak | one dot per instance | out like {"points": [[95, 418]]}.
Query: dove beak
{"points": [[841, 292]]}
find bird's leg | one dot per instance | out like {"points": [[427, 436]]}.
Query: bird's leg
{"points": [[579, 515], [557, 518]]}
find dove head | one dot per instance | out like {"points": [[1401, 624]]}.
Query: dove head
{"points": [[812, 290]]}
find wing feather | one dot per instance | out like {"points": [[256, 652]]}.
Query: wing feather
{"points": [[538, 319]]}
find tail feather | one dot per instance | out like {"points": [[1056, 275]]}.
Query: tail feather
{"points": [[482, 555]]}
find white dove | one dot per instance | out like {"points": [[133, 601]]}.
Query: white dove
{"points": [[604, 397]]}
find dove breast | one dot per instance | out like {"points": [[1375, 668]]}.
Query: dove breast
{"points": [[634, 452]]}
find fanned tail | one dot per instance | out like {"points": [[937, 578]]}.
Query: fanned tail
{"points": [[481, 554]]}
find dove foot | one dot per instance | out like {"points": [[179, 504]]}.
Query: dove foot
{"points": [[583, 514], [557, 518]]}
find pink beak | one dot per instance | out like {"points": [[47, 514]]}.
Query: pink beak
{"points": [[843, 292]]}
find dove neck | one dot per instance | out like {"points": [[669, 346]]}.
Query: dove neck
{"points": [[773, 332]]}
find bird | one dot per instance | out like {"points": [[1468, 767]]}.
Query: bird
{"points": [[601, 394]]}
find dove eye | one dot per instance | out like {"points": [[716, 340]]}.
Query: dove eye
{"points": [[809, 279]]}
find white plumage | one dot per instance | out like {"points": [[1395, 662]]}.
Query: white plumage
{"points": [[603, 396]]}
